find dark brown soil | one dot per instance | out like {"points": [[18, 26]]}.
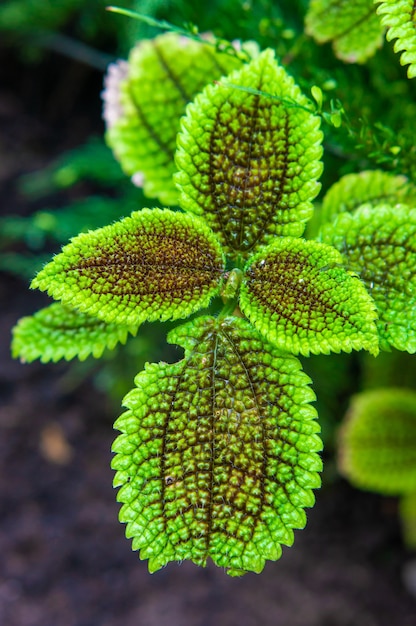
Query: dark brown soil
{"points": [[65, 561]]}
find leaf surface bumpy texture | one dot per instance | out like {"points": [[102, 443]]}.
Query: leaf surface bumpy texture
{"points": [[155, 265], [352, 25], [298, 294], [218, 452], [371, 187], [248, 161], [57, 332], [145, 99], [379, 243], [378, 441], [399, 17]]}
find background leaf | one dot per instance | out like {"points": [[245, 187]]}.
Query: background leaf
{"points": [[249, 161], [378, 441], [217, 455], [57, 332], [372, 187], [145, 99], [352, 25], [379, 243], [400, 19], [298, 295], [155, 265]]}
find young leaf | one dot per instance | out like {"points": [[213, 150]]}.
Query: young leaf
{"points": [[299, 296], [378, 441], [58, 332], [399, 17], [144, 100], [372, 187], [155, 265], [379, 243], [218, 452], [352, 25], [248, 156]]}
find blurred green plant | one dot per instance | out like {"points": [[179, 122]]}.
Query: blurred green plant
{"points": [[75, 28], [377, 448], [91, 164], [218, 452]]}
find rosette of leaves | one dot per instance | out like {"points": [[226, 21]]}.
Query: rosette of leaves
{"points": [[218, 452], [399, 17], [353, 27], [377, 448], [144, 99]]}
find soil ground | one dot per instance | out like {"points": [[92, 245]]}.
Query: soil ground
{"points": [[65, 561]]}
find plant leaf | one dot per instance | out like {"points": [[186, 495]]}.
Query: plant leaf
{"points": [[144, 100], [248, 156], [379, 243], [352, 25], [218, 452], [378, 441], [399, 17], [298, 295], [57, 332], [372, 187], [155, 265]]}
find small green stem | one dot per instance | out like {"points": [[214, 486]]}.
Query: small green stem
{"points": [[230, 308]]}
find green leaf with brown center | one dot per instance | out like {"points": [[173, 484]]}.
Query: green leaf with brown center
{"points": [[58, 332], [155, 265], [144, 100], [352, 25], [218, 452], [379, 243], [372, 187], [298, 295], [378, 441], [399, 17], [249, 156]]}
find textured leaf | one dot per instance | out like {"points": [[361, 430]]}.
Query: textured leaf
{"points": [[155, 265], [379, 243], [372, 187], [298, 295], [352, 25], [144, 100], [249, 161], [399, 17], [58, 332], [378, 441], [218, 452]]}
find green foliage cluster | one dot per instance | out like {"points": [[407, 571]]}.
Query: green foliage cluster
{"points": [[218, 452], [356, 29]]}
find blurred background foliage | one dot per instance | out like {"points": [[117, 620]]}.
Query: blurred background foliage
{"points": [[79, 185]]}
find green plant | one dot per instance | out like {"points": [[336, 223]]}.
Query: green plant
{"points": [[218, 452], [377, 448], [356, 28]]}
